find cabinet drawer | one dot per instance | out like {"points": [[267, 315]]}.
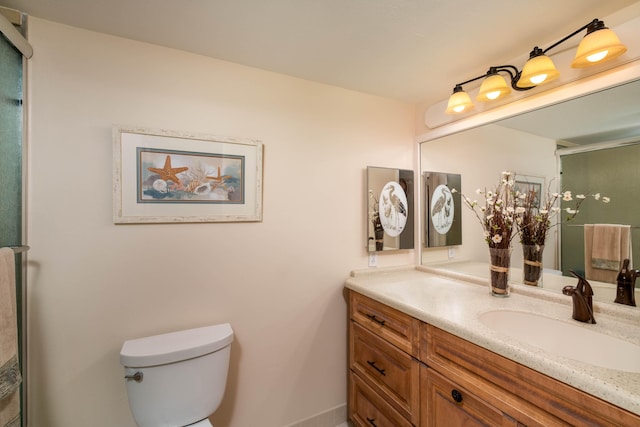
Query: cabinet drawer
{"points": [[447, 404], [398, 328], [368, 409], [386, 368]]}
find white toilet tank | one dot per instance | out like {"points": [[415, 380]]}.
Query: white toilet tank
{"points": [[179, 378]]}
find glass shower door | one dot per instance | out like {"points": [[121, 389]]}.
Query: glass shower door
{"points": [[11, 149]]}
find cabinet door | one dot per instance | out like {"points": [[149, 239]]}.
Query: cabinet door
{"points": [[530, 397], [445, 404]]}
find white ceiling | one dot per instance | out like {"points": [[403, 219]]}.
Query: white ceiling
{"points": [[411, 50]]}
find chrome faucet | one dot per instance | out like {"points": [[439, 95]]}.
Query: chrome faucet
{"points": [[625, 293], [582, 296]]}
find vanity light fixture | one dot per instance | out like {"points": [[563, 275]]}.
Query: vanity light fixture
{"points": [[459, 101], [598, 45]]}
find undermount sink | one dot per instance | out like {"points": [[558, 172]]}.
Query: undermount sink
{"points": [[565, 339]]}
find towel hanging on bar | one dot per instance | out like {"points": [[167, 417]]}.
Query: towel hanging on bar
{"points": [[10, 377], [605, 246]]}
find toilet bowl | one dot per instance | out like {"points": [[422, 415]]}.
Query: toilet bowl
{"points": [[177, 379]]}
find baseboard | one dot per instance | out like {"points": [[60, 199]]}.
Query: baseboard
{"points": [[333, 417]]}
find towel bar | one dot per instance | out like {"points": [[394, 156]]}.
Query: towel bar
{"points": [[20, 249]]}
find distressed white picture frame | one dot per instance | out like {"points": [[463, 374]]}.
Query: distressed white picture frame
{"points": [[129, 208]]}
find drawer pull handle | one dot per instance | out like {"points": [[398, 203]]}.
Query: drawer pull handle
{"points": [[373, 365], [372, 421], [457, 396], [375, 319]]}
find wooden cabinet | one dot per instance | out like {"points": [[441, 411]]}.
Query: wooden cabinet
{"points": [[369, 408], [525, 395], [397, 328], [448, 404], [384, 375], [404, 372]]}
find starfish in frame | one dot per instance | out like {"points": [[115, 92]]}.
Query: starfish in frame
{"points": [[168, 173]]}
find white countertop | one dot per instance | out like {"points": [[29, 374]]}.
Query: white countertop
{"points": [[455, 304]]}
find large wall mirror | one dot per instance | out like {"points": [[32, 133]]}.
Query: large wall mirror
{"points": [[590, 143]]}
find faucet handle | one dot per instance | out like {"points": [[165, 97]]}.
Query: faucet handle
{"points": [[584, 287], [625, 274], [582, 299]]}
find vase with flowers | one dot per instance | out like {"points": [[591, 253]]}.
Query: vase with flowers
{"points": [[496, 216], [534, 218]]}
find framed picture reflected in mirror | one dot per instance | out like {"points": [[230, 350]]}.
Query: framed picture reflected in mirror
{"points": [[443, 223]]}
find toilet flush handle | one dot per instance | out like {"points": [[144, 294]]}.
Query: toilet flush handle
{"points": [[136, 377]]}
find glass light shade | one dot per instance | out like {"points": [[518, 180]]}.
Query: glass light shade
{"points": [[538, 70], [493, 87], [598, 46], [458, 102]]}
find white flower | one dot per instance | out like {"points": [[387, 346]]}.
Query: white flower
{"points": [[510, 209], [571, 211], [544, 211], [496, 238], [453, 190], [478, 191], [520, 210], [566, 196], [605, 199], [489, 217], [581, 196], [596, 196]]}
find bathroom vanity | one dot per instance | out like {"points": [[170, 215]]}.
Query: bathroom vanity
{"points": [[422, 352]]}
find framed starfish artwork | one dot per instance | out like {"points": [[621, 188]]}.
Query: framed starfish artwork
{"points": [[162, 176]]}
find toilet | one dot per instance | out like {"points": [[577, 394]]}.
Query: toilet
{"points": [[177, 379]]}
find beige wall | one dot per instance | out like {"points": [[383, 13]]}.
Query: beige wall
{"points": [[93, 285]]}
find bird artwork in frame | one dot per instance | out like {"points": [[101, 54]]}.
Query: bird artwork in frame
{"points": [[442, 209], [390, 209]]}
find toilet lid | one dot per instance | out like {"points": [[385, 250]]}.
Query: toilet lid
{"points": [[175, 346]]}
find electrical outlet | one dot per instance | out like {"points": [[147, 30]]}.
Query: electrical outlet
{"points": [[373, 259], [452, 253]]}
